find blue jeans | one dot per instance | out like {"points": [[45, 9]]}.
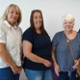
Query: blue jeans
{"points": [[64, 76], [38, 75], [7, 74]]}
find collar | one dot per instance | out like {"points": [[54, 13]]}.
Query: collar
{"points": [[10, 26]]}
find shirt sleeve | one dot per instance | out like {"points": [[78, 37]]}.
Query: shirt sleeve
{"points": [[28, 35], [55, 40], [2, 34]]}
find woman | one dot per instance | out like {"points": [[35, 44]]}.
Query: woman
{"points": [[10, 44], [78, 78], [37, 49], [64, 65]]}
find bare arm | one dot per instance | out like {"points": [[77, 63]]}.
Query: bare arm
{"points": [[53, 56], [6, 57], [56, 66], [27, 50]]}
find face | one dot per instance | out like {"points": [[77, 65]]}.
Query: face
{"points": [[13, 15], [68, 26], [37, 19]]}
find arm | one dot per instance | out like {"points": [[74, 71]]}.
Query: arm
{"points": [[53, 56], [27, 48], [6, 57], [56, 66]]}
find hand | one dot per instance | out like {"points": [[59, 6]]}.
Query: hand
{"points": [[76, 64], [47, 63], [20, 69], [57, 69], [16, 69]]}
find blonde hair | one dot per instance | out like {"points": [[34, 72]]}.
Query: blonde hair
{"points": [[4, 17], [69, 18]]}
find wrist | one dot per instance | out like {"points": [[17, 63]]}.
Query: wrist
{"points": [[13, 67], [55, 63], [44, 61]]}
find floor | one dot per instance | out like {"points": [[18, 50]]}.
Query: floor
{"points": [[22, 76]]}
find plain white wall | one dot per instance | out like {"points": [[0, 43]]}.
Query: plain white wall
{"points": [[53, 12]]}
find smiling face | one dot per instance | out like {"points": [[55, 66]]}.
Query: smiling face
{"points": [[68, 25], [13, 15], [37, 20]]}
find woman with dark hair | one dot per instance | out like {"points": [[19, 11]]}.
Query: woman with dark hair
{"points": [[37, 49]]}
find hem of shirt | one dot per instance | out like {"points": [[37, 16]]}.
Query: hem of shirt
{"points": [[3, 67], [36, 69], [66, 70]]}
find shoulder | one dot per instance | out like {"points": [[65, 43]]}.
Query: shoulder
{"points": [[28, 35], [1, 24], [19, 28], [46, 33], [28, 31], [79, 31], [58, 34]]}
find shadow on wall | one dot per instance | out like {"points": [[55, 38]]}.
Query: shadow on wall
{"points": [[22, 76]]}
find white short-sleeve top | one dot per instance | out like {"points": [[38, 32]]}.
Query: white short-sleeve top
{"points": [[11, 36]]}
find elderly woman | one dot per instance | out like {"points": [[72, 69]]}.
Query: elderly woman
{"points": [[64, 65], [10, 44]]}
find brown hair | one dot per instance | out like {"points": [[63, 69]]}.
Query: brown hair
{"points": [[4, 17], [32, 22]]}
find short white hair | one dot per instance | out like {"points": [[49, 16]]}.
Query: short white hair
{"points": [[69, 18]]}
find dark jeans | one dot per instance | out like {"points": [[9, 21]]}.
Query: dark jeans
{"points": [[78, 78], [7, 74], [64, 76]]}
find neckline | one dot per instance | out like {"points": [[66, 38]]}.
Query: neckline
{"points": [[10, 26], [70, 39], [39, 34]]}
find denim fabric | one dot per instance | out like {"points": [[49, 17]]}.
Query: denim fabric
{"points": [[7, 74], [64, 76], [38, 75]]}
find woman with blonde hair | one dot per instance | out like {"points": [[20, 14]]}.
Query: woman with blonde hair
{"points": [[10, 43], [64, 65]]}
